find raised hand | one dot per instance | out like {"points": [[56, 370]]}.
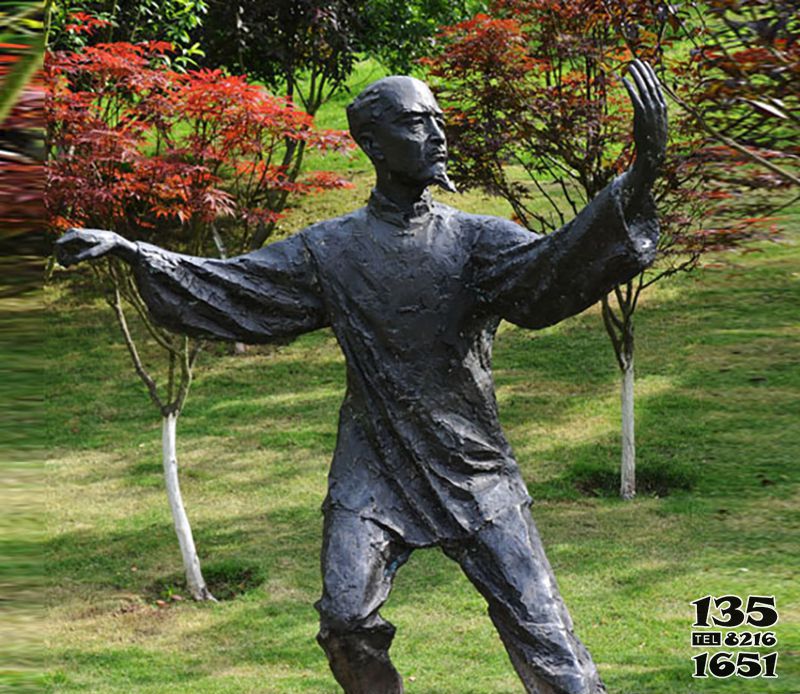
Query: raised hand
{"points": [[649, 125], [78, 245]]}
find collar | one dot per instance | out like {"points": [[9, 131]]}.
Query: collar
{"points": [[406, 216]]}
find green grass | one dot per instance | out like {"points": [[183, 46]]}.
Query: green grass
{"points": [[21, 368], [718, 394]]}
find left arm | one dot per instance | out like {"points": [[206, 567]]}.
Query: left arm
{"points": [[269, 294], [536, 281]]}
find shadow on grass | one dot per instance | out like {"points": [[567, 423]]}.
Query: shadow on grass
{"points": [[103, 559], [240, 555], [226, 580]]}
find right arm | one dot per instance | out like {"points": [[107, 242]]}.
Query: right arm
{"points": [[269, 294]]}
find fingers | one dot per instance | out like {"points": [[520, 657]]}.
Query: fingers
{"points": [[655, 85], [68, 237], [63, 256], [638, 107], [639, 76], [649, 122], [77, 245], [650, 111], [648, 85]]}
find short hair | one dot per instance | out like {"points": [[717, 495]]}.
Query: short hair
{"points": [[372, 103]]}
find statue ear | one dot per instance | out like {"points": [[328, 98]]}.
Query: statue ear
{"points": [[371, 147]]}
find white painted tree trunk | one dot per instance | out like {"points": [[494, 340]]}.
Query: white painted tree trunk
{"points": [[191, 563], [627, 488]]}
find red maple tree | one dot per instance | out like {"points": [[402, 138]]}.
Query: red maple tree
{"points": [[197, 162], [537, 114], [143, 149]]}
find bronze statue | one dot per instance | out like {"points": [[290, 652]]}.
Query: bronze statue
{"points": [[414, 291]]}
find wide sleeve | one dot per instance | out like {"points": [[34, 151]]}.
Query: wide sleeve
{"points": [[535, 281], [268, 294]]}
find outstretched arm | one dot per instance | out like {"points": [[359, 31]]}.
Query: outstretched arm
{"points": [[536, 281], [269, 294]]}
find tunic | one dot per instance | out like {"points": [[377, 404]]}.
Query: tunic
{"points": [[414, 298]]}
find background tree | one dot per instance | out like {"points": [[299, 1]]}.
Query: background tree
{"points": [[192, 159], [300, 48], [742, 82], [537, 115], [398, 34], [306, 49], [172, 21]]}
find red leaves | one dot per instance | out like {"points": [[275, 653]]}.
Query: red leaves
{"points": [[85, 23], [138, 147], [324, 180], [330, 140], [745, 72], [530, 88], [495, 48], [536, 113]]}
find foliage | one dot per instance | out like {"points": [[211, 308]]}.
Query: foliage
{"points": [[21, 32], [194, 160], [187, 157], [283, 42], [743, 80], [539, 93], [139, 147], [399, 33], [307, 48], [21, 166], [21, 153], [73, 24]]}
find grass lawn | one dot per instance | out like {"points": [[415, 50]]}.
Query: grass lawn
{"points": [[718, 402]]}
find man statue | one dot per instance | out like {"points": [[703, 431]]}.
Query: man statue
{"points": [[414, 291]]}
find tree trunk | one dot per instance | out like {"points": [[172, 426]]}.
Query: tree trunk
{"points": [[627, 487], [191, 563]]}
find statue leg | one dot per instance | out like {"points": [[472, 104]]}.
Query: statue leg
{"points": [[359, 561], [505, 560]]}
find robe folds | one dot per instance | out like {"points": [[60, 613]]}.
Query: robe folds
{"points": [[414, 297]]}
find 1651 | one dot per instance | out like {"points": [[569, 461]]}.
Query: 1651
{"points": [[744, 664]]}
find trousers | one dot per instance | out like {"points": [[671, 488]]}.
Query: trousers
{"points": [[504, 560]]}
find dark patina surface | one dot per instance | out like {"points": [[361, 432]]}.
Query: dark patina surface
{"points": [[414, 292]]}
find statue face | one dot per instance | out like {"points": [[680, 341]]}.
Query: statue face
{"points": [[409, 140]]}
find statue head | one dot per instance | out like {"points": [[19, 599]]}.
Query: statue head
{"points": [[399, 125]]}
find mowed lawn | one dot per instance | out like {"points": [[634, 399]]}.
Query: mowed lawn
{"points": [[718, 404]]}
